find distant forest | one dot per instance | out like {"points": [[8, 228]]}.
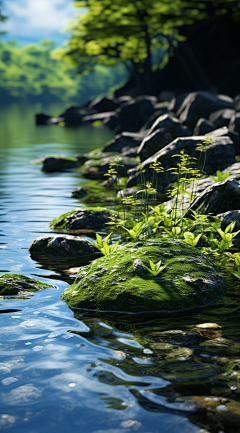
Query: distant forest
{"points": [[31, 73]]}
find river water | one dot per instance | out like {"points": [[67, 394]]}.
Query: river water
{"points": [[87, 372]]}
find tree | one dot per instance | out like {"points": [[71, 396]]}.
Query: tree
{"points": [[136, 32], [2, 17]]}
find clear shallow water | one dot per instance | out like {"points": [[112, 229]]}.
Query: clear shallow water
{"points": [[93, 373]]}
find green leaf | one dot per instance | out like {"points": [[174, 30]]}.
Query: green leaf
{"points": [[152, 265], [99, 240]]}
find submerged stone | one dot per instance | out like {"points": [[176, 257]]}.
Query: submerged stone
{"points": [[80, 218], [14, 284], [111, 282]]}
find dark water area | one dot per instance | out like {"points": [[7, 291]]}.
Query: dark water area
{"points": [[67, 371]]}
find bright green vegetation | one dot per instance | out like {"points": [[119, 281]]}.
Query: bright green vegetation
{"points": [[121, 282], [141, 34], [13, 284], [32, 73]]}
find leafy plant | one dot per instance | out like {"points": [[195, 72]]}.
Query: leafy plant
{"points": [[155, 269], [103, 245], [220, 176]]}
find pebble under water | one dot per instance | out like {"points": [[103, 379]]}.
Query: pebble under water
{"points": [[64, 370]]}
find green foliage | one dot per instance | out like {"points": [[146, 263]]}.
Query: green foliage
{"points": [[220, 176], [103, 245], [141, 34], [32, 72], [155, 269]]}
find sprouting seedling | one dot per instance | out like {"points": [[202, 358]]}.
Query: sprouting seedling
{"points": [[220, 176], [155, 269], [227, 236], [103, 244], [137, 229]]}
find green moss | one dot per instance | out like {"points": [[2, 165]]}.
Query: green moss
{"points": [[13, 284], [113, 282]]}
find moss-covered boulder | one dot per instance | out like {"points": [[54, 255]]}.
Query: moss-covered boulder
{"points": [[121, 282], [14, 284], [82, 219]]}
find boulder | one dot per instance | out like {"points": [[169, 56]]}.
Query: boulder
{"points": [[164, 130], [152, 119], [104, 104], [43, 119], [129, 152], [117, 282], [234, 124], [125, 139], [97, 117], [201, 104], [15, 284], [176, 103], [58, 163], [82, 219], [96, 169], [73, 116], [171, 124], [203, 126], [132, 115], [63, 246], [237, 103], [218, 198], [221, 117], [220, 155], [230, 217], [79, 193], [225, 132]]}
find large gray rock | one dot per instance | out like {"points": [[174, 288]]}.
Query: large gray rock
{"points": [[220, 155], [96, 169], [201, 104], [64, 246], [225, 132], [229, 217], [176, 103], [104, 104], [91, 118], [234, 124], [218, 198], [203, 126], [82, 219], [221, 117], [237, 102], [164, 130], [125, 139], [59, 163], [132, 115]]}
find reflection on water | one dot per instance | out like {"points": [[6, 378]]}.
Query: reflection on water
{"points": [[94, 372]]}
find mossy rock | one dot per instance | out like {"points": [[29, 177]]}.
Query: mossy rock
{"points": [[14, 284], [121, 282], [83, 219]]}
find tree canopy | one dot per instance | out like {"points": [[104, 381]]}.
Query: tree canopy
{"points": [[136, 32], [31, 73]]}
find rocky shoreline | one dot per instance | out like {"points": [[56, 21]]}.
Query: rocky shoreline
{"points": [[147, 132]]}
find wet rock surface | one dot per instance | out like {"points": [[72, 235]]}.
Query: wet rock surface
{"points": [[82, 219], [63, 246], [218, 198], [15, 284], [220, 154], [188, 280]]}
